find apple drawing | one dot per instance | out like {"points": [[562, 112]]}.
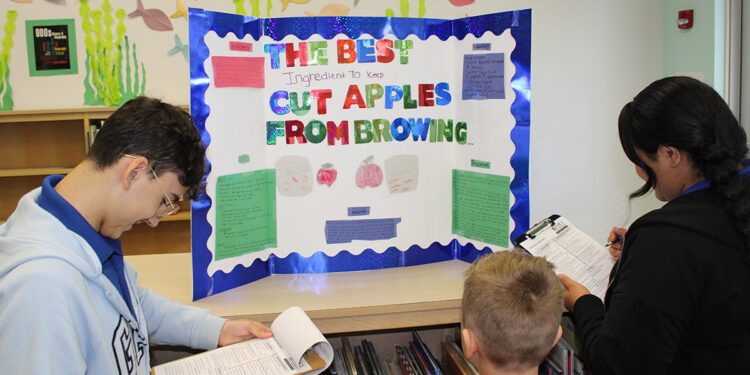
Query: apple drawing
{"points": [[327, 174], [294, 176], [369, 174], [402, 173]]}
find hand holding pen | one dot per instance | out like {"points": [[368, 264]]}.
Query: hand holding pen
{"points": [[615, 240]]}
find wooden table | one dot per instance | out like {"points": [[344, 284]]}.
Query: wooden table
{"points": [[340, 302]]}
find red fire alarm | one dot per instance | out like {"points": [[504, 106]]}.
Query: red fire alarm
{"points": [[685, 19]]}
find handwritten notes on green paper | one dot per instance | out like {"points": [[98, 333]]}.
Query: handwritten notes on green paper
{"points": [[481, 206], [245, 213]]}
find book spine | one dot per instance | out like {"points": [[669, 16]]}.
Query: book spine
{"points": [[370, 349], [367, 359], [431, 361], [403, 361], [415, 363], [393, 370], [359, 361], [419, 357], [451, 362], [339, 362], [384, 366], [460, 353], [349, 359]]}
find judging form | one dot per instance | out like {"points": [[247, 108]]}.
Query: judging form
{"points": [[295, 338], [254, 357], [573, 253]]}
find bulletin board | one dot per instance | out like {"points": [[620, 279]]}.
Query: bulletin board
{"points": [[353, 143]]}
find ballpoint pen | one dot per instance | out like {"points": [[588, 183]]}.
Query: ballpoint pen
{"points": [[617, 239]]}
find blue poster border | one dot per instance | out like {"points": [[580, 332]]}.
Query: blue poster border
{"points": [[201, 22]]}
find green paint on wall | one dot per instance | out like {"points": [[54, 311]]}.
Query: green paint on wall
{"points": [[270, 5], [6, 100], [689, 51], [103, 82], [239, 7], [405, 9], [256, 7]]}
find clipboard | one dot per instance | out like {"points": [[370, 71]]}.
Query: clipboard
{"points": [[572, 251], [536, 228]]}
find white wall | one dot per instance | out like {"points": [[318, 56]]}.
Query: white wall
{"points": [[589, 57]]}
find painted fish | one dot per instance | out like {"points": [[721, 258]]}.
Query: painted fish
{"points": [[331, 10], [285, 3], [181, 11], [179, 47], [155, 19]]}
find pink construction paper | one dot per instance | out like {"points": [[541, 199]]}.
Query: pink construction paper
{"points": [[232, 71], [241, 46]]}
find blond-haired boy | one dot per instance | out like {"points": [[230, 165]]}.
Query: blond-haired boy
{"points": [[512, 305]]}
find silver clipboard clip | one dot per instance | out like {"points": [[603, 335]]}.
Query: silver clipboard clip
{"points": [[538, 227]]}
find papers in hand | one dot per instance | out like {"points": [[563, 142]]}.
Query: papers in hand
{"points": [[573, 252], [297, 347]]}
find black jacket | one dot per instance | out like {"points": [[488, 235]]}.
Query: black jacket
{"points": [[679, 299]]}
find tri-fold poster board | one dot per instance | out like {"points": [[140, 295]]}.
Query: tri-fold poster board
{"points": [[353, 143]]}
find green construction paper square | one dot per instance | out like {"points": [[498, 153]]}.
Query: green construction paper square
{"points": [[36, 44], [245, 213], [481, 207], [480, 164]]}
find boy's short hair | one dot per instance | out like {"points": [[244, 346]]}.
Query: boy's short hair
{"points": [[513, 302], [160, 132]]}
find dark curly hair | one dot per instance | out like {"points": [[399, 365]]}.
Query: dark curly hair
{"points": [[160, 132], [689, 115]]}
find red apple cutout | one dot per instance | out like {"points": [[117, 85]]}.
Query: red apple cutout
{"points": [[369, 174], [327, 174]]}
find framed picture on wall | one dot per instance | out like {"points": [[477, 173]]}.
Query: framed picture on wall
{"points": [[51, 46]]}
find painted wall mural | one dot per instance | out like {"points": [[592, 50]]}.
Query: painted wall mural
{"points": [[6, 93], [106, 57], [127, 48]]}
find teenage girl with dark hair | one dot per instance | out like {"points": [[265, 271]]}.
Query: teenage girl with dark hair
{"points": [[679, 294]]}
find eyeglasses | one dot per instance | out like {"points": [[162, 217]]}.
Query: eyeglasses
{"points": [[167, 207]]}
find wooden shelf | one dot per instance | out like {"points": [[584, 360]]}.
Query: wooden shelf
{"points": [[54, 115], [35, 144], [392, 298], [22, 172]]}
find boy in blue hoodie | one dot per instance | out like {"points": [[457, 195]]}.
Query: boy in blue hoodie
{"points": [[66, 294]]}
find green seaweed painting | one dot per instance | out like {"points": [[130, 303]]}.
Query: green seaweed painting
{"points": [[6, 94], [239, 7], [405, 9], [103, 83]]}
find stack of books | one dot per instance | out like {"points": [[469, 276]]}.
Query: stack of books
{"points": [[412, 358], [415, 358], [563, 360]]}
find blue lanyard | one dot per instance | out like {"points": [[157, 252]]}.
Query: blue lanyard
{"points": [[745, 172]]}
